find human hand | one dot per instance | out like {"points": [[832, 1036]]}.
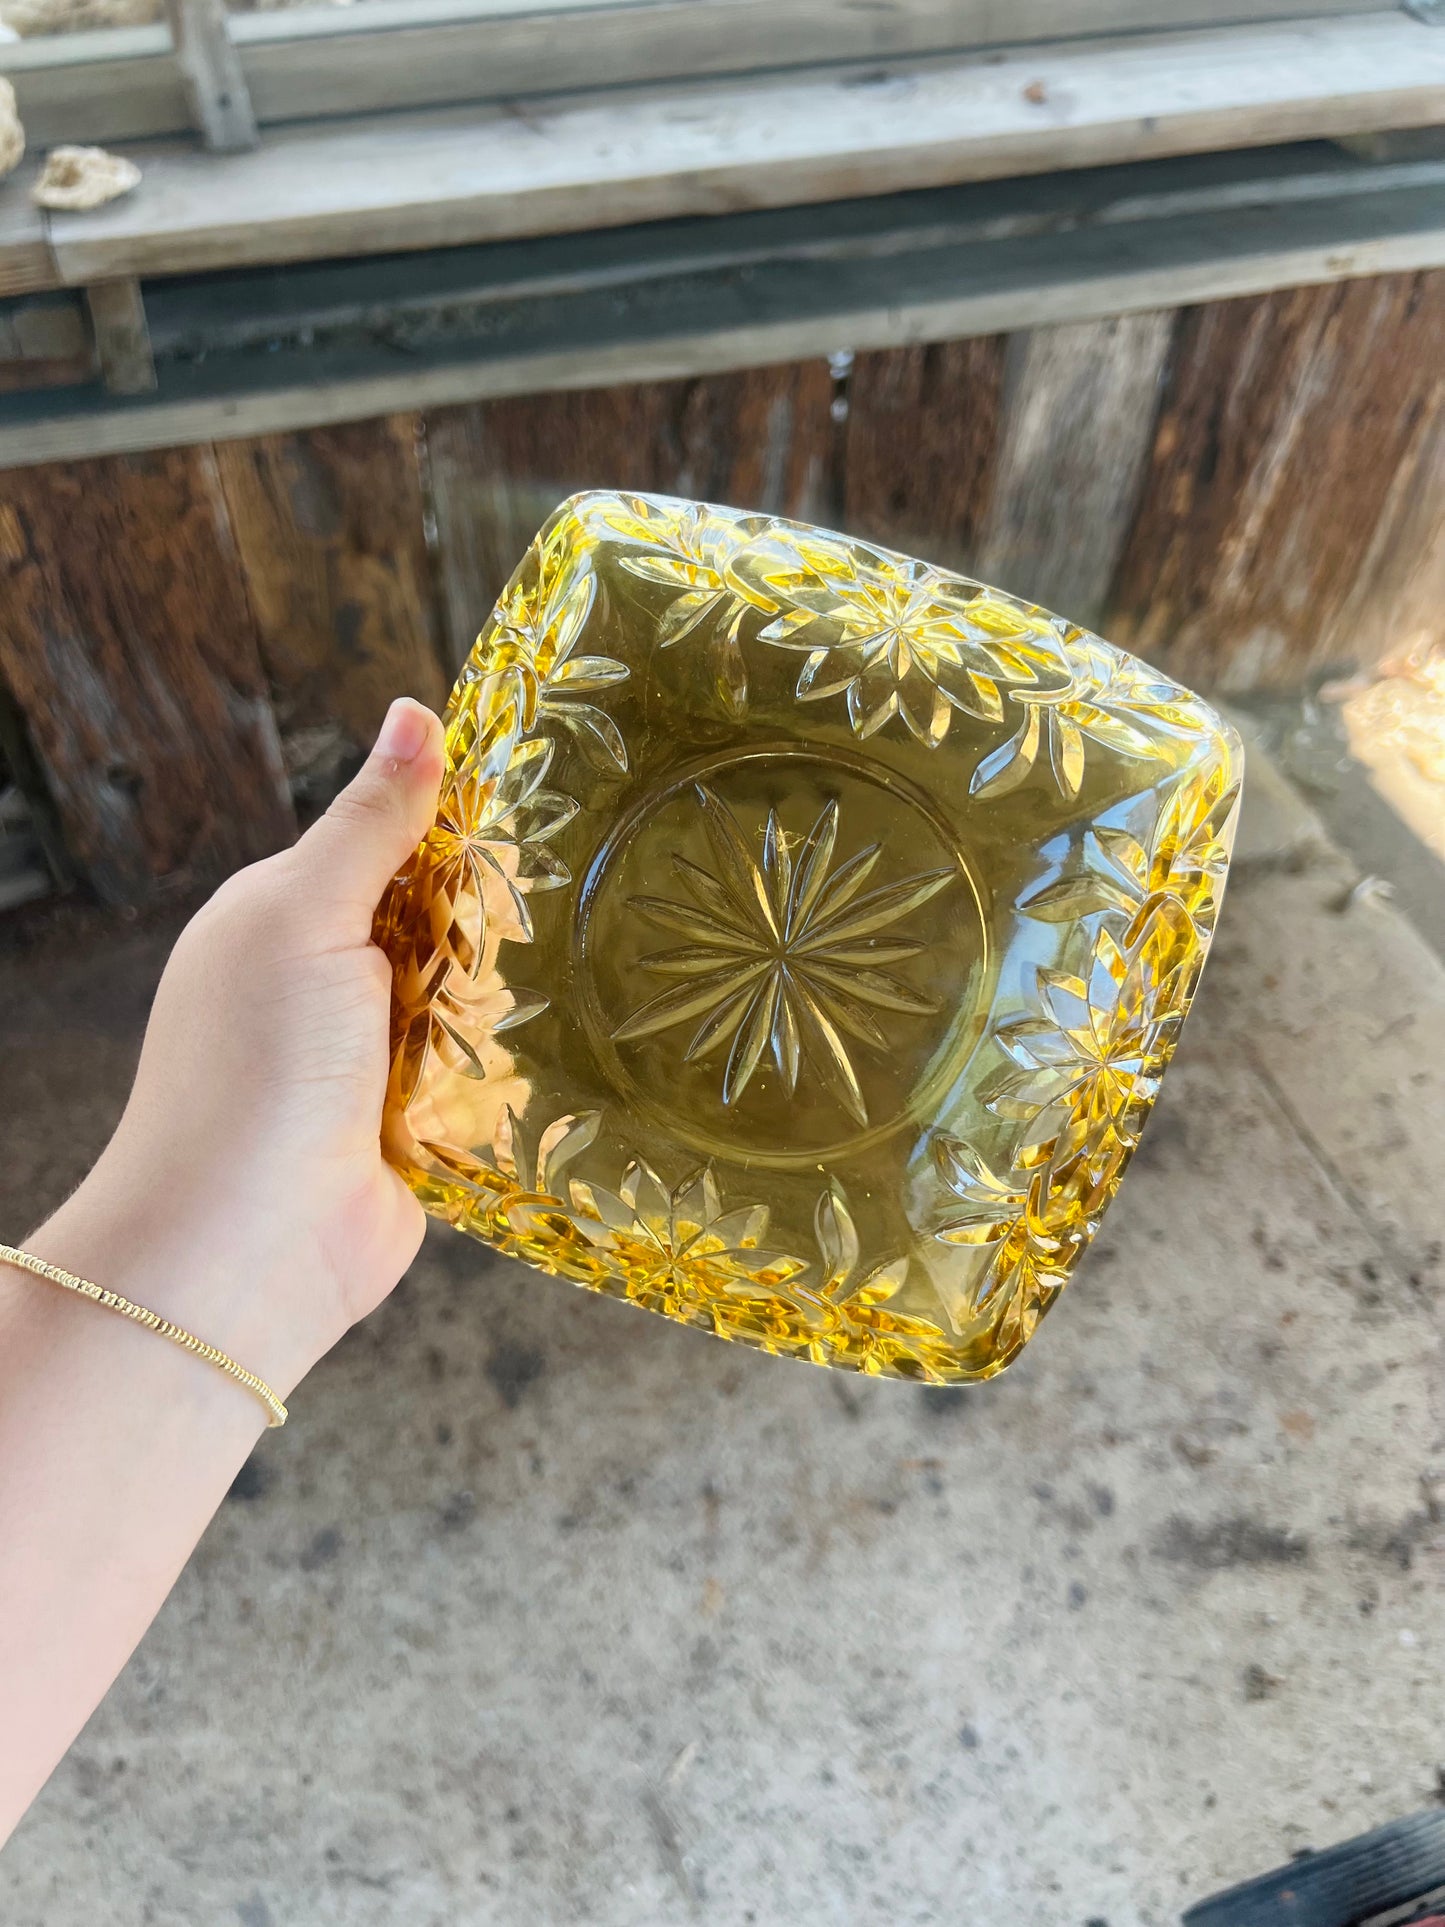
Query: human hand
{"points": [[244, 1197], [244, 1192]]}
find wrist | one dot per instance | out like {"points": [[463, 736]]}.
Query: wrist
{"points": [[181, 1264]]}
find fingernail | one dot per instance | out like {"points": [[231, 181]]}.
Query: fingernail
{"points": [[403, 731]]}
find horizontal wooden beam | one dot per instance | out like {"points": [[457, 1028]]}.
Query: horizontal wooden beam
{"points": [[411, 181], [689, 298], [126, 84]]}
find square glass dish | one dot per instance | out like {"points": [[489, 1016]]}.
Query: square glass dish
{"points": [[802, 937]]}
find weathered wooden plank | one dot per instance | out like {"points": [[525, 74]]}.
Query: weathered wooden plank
{"points": [[23, 875], [106, 84], [1396, 603], [216, 92], [27, 809], [114, 84], [26, 262], [1079, 407], [675, 300], [1277, 456], [127, 643], [921, 447], [330, 526], [757, 439], [122, 342], [452, 175], [44, 342], [298, 63]]}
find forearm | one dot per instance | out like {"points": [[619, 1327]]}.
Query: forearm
{"points": [[244, 1197], [116, 1447]]}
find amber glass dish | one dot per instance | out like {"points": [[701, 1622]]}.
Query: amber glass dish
{"points": [[802, 937]]}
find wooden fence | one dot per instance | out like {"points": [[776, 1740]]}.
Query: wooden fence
{"points": [[1247, 492]]}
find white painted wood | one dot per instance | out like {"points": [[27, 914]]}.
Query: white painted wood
{"points": [[1114, 271], [301, 63], [466, 174]]}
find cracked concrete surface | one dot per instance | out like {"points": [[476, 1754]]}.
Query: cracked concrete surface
{"points": [[542, 1611]]}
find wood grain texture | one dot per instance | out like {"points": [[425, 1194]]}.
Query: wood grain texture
{"points": [[126, 641], [300, 62], [920, 450], [122, 342], [1276, 475], [573, 161], [26, 262], [663, 303], [1079, 408], [1396, 604], [330, 526], [42, 839], [761, 438], [216, 91]]}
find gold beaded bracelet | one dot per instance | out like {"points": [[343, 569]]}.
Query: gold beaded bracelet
{"points": [[177, 1334]]}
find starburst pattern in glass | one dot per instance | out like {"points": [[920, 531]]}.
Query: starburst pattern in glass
{"points": [[678, 1251], [896, 638], [784, 955], [1185, 854], [691, 553], [854, 1319], [538, 621], [1108, 698], [1095, 1053]]}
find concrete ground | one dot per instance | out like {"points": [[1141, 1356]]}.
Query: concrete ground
{"points": [[543, 1611]]}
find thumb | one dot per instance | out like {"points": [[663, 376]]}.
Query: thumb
{"points": [[350, 854]]}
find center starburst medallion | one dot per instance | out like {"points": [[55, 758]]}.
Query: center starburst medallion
{"points": [[785, 954]]}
